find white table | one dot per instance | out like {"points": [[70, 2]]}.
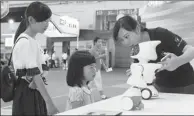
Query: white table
{"points": [[171, 104]]}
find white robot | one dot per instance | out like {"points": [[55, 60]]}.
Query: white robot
{"points": [[143, 73], [132, 98]]}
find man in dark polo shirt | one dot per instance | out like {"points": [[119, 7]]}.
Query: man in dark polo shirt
{"points": [[176, 75]]}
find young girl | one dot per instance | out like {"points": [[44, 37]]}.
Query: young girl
{"points": [[31, 96], [82, 70]]}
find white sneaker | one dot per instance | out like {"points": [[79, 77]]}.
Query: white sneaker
{"points": [[103, 96], [109, 70]]}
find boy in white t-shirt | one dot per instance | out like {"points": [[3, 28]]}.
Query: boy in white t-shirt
{"points": [[53, 59], [46, 57], [64, 58]]}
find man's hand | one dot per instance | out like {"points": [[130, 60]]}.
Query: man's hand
{"points": [[170, 62]]}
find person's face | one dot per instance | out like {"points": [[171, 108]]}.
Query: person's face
{"points": [[99, 43], [39, 27], [89, 72], [128, 38]]}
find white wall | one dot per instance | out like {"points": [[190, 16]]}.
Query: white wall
{"points": [[58, 49], [176, 17]]}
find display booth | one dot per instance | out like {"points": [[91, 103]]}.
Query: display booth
{"points": [[63, 26]]}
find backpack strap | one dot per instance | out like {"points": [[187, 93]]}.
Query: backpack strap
{"points": [[9, 63]]}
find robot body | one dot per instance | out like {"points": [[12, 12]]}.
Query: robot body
{"points": [[143, 73], [143, 76]]}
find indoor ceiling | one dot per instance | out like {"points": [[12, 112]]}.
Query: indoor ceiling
{"points": [[175, 16]]}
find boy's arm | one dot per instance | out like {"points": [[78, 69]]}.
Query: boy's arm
{"points": [[103, 64], [187, 56], [101, 56]]}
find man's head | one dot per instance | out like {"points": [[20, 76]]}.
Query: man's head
{"points": [[98, 42], [45, 51], [127, 31]]}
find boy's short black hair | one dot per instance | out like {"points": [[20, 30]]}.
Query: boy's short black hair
{"points": [[95, 40], [77, 61], [127, 22]]}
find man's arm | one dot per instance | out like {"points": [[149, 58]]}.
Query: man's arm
{"points": [[187, 56], [171, 61], [180, 52], [179, 44], [103, 64]]}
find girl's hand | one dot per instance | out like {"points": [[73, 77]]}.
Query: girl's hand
{"points": [[32, 85], [45, 73], [140, 107], [52, 110]]}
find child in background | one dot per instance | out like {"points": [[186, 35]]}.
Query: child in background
{"points": [[81, 70], [96, 51], [64, 58]]}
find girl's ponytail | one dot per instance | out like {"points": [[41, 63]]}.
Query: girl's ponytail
{"points": [[22, 27]]}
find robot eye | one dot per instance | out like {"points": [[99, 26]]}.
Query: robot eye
{"points": [[135, 60]]}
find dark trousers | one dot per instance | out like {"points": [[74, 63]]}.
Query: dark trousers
{"points": [[46, 63], [53, 64], [182, 90]]}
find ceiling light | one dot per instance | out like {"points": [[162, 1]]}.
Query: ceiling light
{"points": [[10, 21]]}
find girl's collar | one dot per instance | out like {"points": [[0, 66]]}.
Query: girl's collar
{"points": [[26, 35], [86, 89]]}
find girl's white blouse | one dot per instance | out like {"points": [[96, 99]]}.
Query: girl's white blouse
{"points": [[27, 54]]}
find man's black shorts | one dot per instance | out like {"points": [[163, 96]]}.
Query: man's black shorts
{"points": [[64, 61]]}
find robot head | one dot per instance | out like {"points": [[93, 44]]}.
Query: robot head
{"points": [[147, 51]]}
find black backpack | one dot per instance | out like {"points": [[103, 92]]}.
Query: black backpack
{"points": [[8, 79]]}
